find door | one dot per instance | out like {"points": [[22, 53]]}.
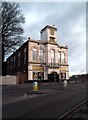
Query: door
{"points": [[54, 77]]}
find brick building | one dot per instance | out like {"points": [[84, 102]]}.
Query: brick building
{"points": [[40, 59]]}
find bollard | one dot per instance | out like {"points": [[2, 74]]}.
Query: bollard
{"points": [[35, 86], [65, 83]]}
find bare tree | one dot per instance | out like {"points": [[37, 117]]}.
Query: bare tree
{"points": [[12, 30]]}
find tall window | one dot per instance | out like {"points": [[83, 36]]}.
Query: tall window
{"points": [[41, 55], [35, 54], [63, 57], [24, 55], [19, 59], [58, 57], [14, 61], [8, 65], [11, 63], [52, 56]]}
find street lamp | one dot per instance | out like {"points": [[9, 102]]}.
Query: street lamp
{"points": [[40, 63], [60, 71], [41, 74]]}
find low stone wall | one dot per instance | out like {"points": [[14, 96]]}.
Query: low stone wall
{"points": [[18, 79], [7, 80]]}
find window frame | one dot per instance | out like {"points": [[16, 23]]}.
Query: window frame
{"points": [[34, 54]]}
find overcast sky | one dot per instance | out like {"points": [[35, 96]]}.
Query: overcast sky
{"points": [[70, 20]]}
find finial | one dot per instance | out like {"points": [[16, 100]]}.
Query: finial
{"points": [[29, 38]]}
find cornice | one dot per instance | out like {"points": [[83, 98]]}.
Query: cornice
{"points": [[47, 26]]}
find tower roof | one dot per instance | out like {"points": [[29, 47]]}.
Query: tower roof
{"points": [[48, 26]]}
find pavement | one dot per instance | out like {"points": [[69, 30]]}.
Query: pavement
{"points": [[82, 113]]}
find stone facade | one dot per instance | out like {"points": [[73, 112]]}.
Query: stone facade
{"points": [[41, 70], [45, 59]]}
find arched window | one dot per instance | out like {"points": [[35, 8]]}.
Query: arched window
{"points": [[41, 55], [52, 56], [63, 57], [59, 57], [35, 54]]}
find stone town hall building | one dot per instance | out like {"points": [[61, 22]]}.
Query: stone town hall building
{"points": [[40, 59]]}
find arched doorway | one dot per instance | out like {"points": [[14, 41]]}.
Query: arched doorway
{"points": [[53, 77]]}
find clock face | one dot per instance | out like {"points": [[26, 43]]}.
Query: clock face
{"points": [[52, 32]]}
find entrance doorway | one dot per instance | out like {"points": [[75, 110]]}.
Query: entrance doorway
{"points": [[53, 77]]}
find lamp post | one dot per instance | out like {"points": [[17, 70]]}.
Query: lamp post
{"points": [[60, 71], [40, 64], [41, 73]]}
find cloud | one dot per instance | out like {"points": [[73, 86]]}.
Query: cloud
{"points": [[69, 18]]}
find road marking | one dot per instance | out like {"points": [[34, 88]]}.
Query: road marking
{"points": [[18, 99], [25, 96], [67, 113]]}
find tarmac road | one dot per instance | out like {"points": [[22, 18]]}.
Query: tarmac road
{"points": [[53, 103]]}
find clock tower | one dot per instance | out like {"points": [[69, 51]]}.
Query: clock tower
{"points": [[49, 34]]}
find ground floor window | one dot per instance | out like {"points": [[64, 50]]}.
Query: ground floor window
{"points": [[63, 75], [35, 75], [38, 75]]}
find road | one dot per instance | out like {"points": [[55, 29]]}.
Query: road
{"points": [[53, 103]]}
